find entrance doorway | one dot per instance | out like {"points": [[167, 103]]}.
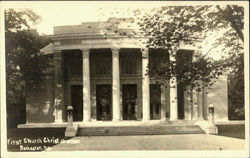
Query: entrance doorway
{"points": [[180, 101], [103, 102], [76, 102], [129, 96], [155, 102]]}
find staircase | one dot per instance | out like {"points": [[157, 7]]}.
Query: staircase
{"points": [[139, 130]]}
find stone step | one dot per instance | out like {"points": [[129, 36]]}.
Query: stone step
{"points": [[139, 130]]}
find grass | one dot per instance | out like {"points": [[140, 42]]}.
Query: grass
{"points": [[235, 131]]}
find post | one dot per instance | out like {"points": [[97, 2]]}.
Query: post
{"points": [[59, 85], [211, 114], [70, 115], [173, 95], [163, 102], [116, 85], [71, 130], [86, 85], [211, 128], [145, 87]]}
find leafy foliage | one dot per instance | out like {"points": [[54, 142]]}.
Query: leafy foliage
{"points": [[25, 65], [221, 27], [170, 27]]}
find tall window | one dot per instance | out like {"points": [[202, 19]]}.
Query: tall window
{"points": [[128, 62], [101, 62], [129, 66], [73, 63], [103, 66]]}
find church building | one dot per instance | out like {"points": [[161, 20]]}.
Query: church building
{"points": [[100, 69]]}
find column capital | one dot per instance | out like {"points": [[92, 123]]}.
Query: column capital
{"points": [[57, 55], [197, 51], [144, 49], [57, 51], [144, 52], [196, 54], [85, 52], [115, 52], [85, 49]]}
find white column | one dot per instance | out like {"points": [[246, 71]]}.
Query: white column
{"points": [[163, 102], [195, 105], [59, 87], [116, 85], [145, 87], [187, 103], [173, 95], [86, 85], [198, 95], [201, 101]]}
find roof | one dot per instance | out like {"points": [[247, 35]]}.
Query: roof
{"points": [[49, 49], [112, 26]]}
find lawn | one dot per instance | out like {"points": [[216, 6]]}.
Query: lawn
{"points": [[235, 131]]}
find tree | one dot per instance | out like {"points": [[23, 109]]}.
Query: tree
{"points": [[230, 19], [169, 27], [25, 65]]}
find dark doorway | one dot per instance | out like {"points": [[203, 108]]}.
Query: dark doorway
{"points": [[129, 96], [76, 102], [180, 101], [103, 102], [155, 102]]}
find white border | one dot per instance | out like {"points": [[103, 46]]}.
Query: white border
{"points": [[144, 154]]}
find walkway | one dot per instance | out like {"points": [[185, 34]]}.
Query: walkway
{"points": [[152, 142]]}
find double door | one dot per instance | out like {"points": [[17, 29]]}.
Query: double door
{"points": [[104, 102], [129, 96]]}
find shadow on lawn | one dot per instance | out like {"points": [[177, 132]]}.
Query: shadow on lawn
{"points": [[37, 139], [235, 131]]}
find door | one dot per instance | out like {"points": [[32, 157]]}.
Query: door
{"points": [[155, 102], [76, 102], [180, 101], [103, 102], [129, 96]]}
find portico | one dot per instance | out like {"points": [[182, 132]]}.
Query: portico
{"points": [[103, 75], [129, 94]]}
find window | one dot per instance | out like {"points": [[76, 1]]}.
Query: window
{"points": [[73, 63], [128, 61], [103, 66], [129, 66], [101, 62]]}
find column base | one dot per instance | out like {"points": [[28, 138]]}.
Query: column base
{"points": [[163, 120], [89, 120], [58, 121], [195, 119], [145, 120], [71, 131], [211, 129], [173, 119], [116, 120], [200, 119]]}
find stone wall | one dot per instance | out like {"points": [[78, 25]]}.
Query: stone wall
{"points": [[218, 96], [40, 98], [40, 102]]}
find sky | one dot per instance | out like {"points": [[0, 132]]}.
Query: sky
{"points": [[57, 13]]}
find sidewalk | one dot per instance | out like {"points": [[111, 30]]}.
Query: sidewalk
{"points": [[152, 142]]}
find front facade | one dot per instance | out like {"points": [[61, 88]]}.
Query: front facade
{"points": [[100, 69]]}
